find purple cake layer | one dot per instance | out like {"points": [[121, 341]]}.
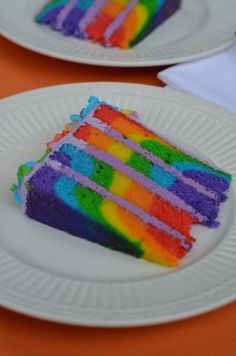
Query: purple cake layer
{"points": [[50, 16], [71, 23], [44, 206], [60, 19], [220, 184]]}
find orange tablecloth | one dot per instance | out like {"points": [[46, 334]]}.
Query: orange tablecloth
{"points": [[213, 334]]}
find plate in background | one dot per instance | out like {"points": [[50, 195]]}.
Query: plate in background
{"points": [[199, 29]]}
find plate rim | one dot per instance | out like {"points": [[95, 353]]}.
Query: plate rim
{"points": [[12, 101], [104, 323], [110, 63], [197, 103], [107, 63]]}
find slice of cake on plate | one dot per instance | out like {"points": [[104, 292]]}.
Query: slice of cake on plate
{"points": [[109, 179], [113, 23]]}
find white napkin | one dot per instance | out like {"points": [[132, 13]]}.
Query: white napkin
{"points": [[212, 78]]}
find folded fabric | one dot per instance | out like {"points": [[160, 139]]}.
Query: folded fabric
{"points": [[212, 78]]}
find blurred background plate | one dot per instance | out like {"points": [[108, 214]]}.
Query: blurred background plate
{"points": [[199, 29]]}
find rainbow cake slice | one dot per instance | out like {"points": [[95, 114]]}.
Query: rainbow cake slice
{"points": [[110, 180], [113, 23]]}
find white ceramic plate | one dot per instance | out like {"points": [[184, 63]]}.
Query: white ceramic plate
{"points": [[55, 276], [200, 28]]}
